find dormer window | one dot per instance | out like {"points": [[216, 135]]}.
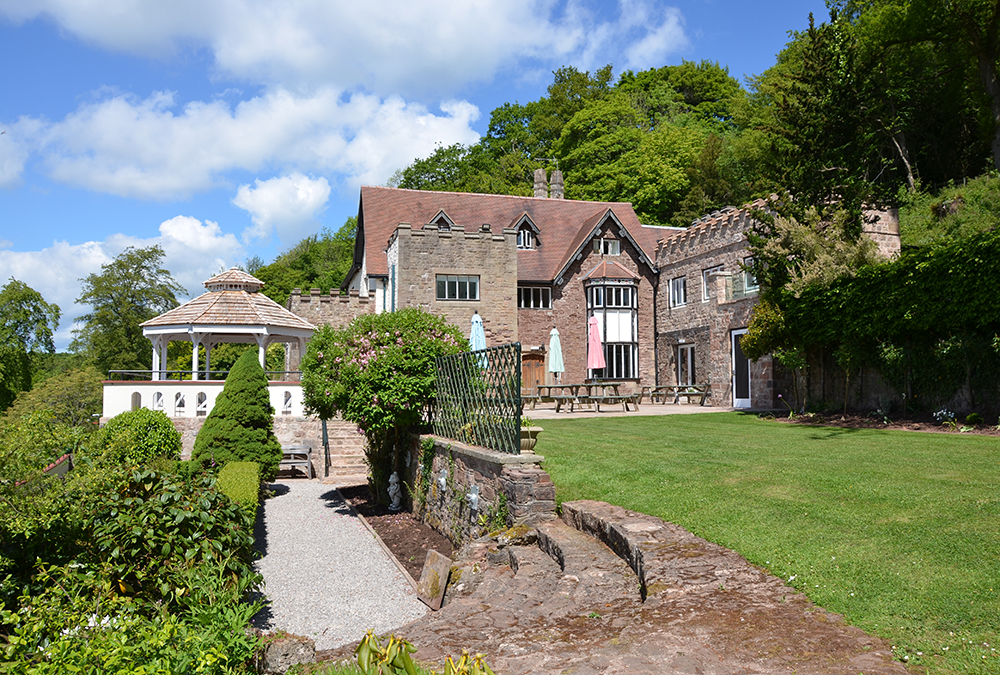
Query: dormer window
{"points": [[443, 222], [525, 238]]}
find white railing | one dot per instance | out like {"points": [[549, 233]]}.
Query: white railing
{"points": [[187, 398]]}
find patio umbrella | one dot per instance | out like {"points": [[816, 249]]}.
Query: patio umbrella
{"points": [[477, 338], [595, 352], [555, 354]]}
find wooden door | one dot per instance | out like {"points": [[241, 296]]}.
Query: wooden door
{"points": [[532, 371]]}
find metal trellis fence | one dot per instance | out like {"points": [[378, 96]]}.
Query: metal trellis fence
{"points": [[479, 397]]}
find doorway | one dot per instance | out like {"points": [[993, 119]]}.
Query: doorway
{"points": [[532, 371], [741, 371]]}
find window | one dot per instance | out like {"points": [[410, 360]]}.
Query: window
{"points": [[685, 364], [708, 282], [607, 246], [534, 298], [616, 309], [678, 292], [525, 238], [749, 280], [457, 288], [179, 404]]}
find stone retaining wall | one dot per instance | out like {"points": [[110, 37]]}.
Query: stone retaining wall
{"points": [[528, 488]]}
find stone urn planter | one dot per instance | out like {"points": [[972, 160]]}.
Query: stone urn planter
{"points": [[529, 436]]}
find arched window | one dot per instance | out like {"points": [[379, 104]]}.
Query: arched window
{"points": [[179, 404], [136, 400], [158, 401], [202, 409], [286, 406]]}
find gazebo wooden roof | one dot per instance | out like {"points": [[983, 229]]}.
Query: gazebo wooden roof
{"points": [[233, 310]]}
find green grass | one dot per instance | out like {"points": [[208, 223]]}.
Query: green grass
{"points": [[897, 531]]}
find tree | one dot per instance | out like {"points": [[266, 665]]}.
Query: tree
{"points": [[73, 397], [318, 261], [27, 324], [130, 289], [241, 425], [378, 372]]}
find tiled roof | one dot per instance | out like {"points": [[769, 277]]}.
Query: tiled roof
{"points": [[563, 224], [230, 308], [611, 270], [235, 277]]}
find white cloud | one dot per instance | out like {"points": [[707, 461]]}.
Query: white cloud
{"points": [[193, 252], [385, 45], [16, 141], [147, 148], [289, 204]]}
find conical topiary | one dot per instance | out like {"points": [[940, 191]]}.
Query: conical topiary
{"points": [[241, 425]]}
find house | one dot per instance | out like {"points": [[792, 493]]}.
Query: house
{"points": [[525, 264]]}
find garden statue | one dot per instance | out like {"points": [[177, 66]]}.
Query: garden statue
{"points": [[395, 494]]}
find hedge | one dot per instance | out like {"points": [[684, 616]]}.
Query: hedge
{"points": [[240, 481]]}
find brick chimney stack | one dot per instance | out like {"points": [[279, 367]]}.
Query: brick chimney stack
{"points": [[541, 184], [557, 187]]}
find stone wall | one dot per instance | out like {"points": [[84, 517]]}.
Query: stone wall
{"points": [[884, 231], [324, 309], [346, 444], [424, 254], [708, 319], [528, 488]]}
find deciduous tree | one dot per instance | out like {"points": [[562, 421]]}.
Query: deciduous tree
{"points": [[27, 324]]}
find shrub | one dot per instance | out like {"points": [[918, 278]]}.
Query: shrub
{"points": [[240, 481], [378, 372], [148, 536], [137, 436], [973, 419], [241, 425], [74, 397]]}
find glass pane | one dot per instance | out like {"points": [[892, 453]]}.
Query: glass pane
{"points": [[473, 288], [546, 298], [442, 292], [452, 288], [463, 289]]}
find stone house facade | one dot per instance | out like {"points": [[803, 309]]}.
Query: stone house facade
{"points": [[525, 264]]}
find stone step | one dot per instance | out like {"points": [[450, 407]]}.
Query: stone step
{"points": [[667, 559], [591, 572]]}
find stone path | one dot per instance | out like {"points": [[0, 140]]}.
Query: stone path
{"points": [[325, 576], [613, 591]]}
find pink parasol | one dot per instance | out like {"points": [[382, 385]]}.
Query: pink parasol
{"points": [[595, 352]]}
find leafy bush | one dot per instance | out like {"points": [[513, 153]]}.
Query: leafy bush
{"points": [[974, 419], [146, 537], [137, 436], [240, 481], [378, 372], [241, 425]]}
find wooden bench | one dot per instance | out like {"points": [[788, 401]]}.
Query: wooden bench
{"points": [[297, 456]]}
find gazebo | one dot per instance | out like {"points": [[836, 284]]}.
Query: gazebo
{"points": [[233, 310]]}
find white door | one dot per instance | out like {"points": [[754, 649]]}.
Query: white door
{"points": [[741, 372]]}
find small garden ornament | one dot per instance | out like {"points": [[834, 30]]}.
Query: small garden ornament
{"points": [[395, 494]]}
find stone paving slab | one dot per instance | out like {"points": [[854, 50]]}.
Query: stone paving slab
{"points": [[707, 611]]}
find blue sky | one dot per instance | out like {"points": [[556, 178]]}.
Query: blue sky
{"points": [[224, 129]]}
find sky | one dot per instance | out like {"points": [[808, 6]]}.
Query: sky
{"points": [[225, 129]]}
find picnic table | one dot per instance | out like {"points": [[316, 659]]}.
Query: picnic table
{"points": [[299, 456], [585, 394], [675, 391]]}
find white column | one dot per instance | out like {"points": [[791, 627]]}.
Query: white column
{"points": [[208, 360], [195, 341], [155, 375], [261, 349], [164, 343]]}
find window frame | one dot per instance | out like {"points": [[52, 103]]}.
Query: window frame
{"points": [[706, 286], [544, 297], [750, 283], [525, 239], [603, 245], [622, 358], [682, 286], [458, 280]]}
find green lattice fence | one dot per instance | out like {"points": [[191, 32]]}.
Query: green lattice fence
{"points": [[479, 397]]}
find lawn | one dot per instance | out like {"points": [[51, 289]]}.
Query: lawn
{"points": [[897, 531]]}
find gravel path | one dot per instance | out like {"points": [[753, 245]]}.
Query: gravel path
{"points": [[325, 575]]}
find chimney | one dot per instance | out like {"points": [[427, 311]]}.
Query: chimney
{"points": [[541, 184], [558, 188]]}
